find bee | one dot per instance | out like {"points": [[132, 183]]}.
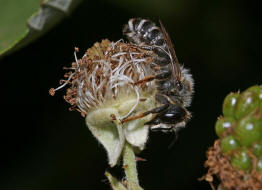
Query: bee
{"points": [[174, 83]]}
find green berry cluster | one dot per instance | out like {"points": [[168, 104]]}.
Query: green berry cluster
{"points": [[240, 129]]}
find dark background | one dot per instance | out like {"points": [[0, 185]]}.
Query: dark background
{"points": [[45, 146]]}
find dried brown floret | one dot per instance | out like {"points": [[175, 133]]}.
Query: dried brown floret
{"points": [[106, 71]]}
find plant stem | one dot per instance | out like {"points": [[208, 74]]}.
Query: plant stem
{"points": [[129, 160]]}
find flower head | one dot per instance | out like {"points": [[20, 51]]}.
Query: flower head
{"points": [[104, 88]]}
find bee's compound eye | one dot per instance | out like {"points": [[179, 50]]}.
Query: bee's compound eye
{"points": [[173, 115], [169, 115]]}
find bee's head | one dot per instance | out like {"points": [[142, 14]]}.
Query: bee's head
{"points": [[172, 115]]}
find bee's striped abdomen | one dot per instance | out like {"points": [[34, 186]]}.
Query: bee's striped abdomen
{"points": [[145, 32]]}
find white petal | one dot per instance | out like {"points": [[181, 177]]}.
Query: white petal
{"points": [[107, 132]]}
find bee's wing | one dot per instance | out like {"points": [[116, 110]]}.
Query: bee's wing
{"points": [[174, 61]]}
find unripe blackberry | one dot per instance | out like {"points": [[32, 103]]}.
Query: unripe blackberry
{"points": [[222, 125], [228, 144], [246, 103], [241, 160], [229, 104], [257, 148], [259, 165], [248, 130], [236, 158]]}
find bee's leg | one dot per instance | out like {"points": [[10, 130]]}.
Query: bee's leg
{"points": [[155, 110], [133, 117], [163, 75], [146, 79], [161, 51], [146, 47]]}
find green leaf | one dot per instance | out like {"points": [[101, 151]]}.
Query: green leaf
{"points": [[21, 22]]}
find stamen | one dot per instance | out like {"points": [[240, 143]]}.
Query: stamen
{"points": [[118, 54], [76, 60], [134, 107], [106, 71], [65, 83]]}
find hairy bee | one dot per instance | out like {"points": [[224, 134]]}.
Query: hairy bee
{"points": [[174, 82]]}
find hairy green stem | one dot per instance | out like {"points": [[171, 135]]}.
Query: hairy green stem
{"points": [[129, 160]]}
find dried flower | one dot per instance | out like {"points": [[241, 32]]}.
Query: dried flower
{"points": [[104, 88]]}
